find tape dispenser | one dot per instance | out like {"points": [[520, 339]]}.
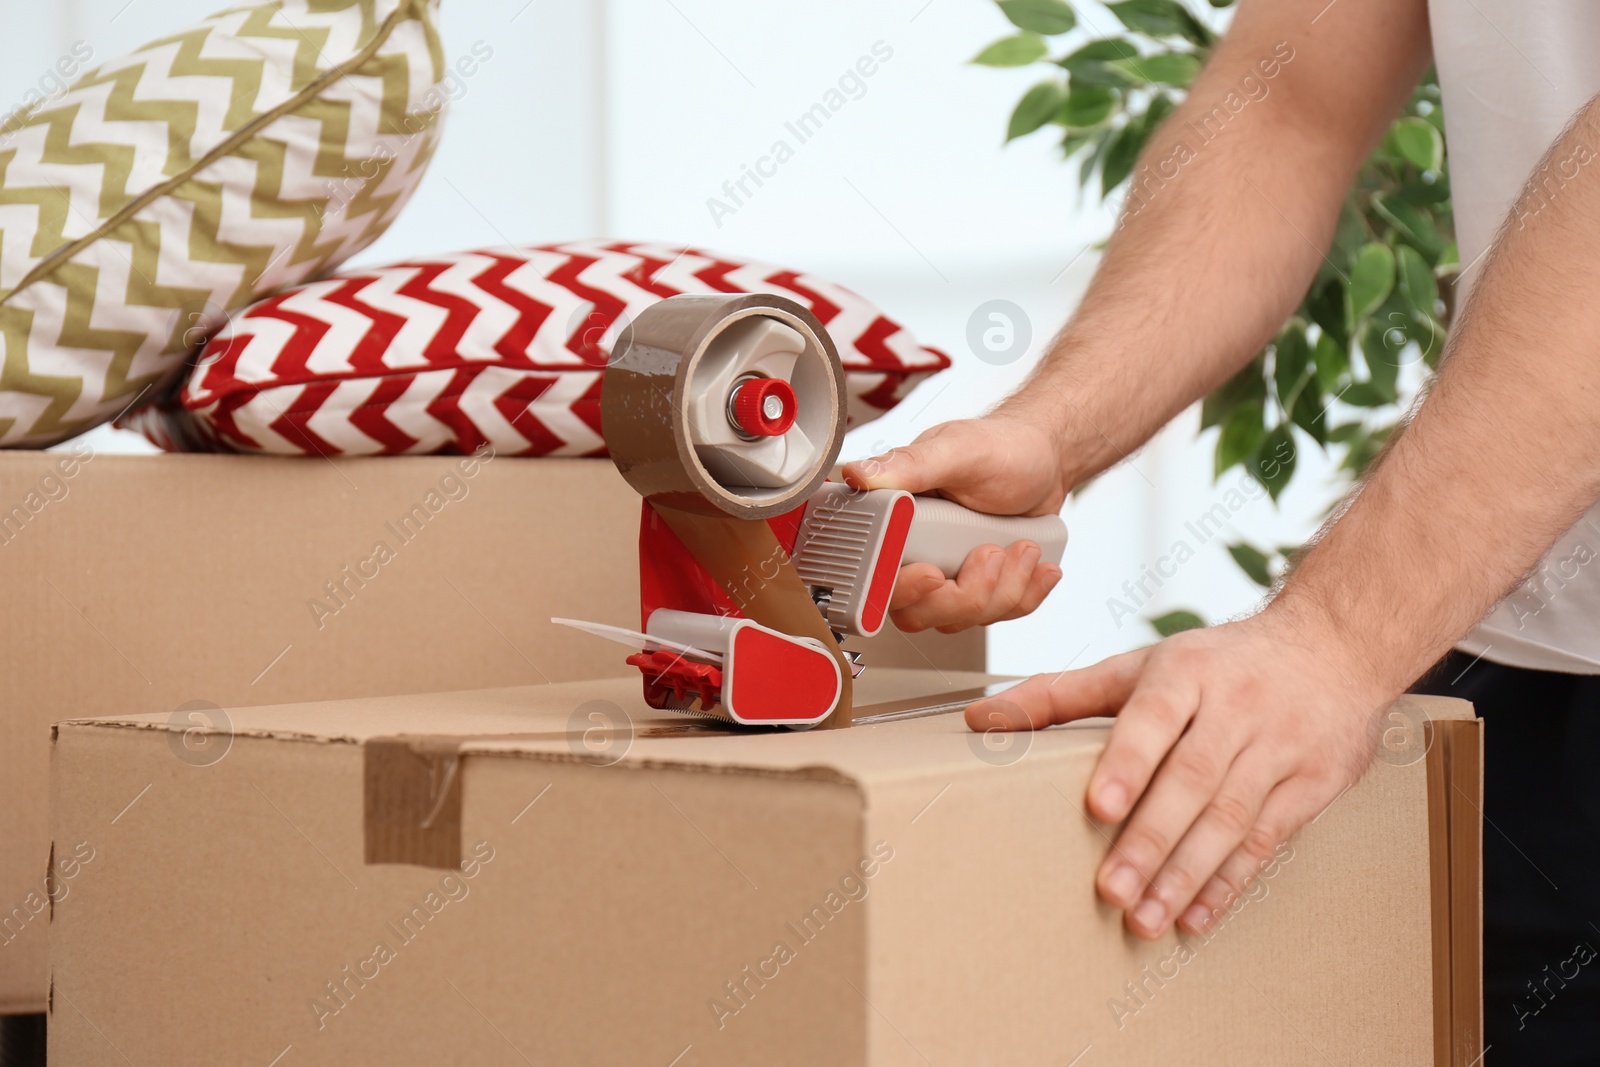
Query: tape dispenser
{"points": [[727, 413]]}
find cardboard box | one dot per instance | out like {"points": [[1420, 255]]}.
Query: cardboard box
{"points": [[557, 874], [159, 583]]}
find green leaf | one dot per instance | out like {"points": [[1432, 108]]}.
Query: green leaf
{"points": [[1346, 432], [1037, 107], [1253, 562], [1325, 305], [1103, 49], [1087, 105], [1016, 51], [1242, 388], [1039, 16], [1092, 160], [1273, 463], [1166, 68], [1384, 353], [1333, 360], [1434, 194], [1242, 434], [1121, 154], [1417, 283], [1292, 360], [1364, 395], [1418, 142], [1413, 222], [1310, 412], [1088, 65], [1371, 278], [1161, 18], [1073, 141], [1175, 622], [1349, 235], [1296, 381]]}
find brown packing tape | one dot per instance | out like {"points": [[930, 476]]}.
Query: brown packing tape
{"points": [[645, 417], [739, 554], [1439, 872], [1464, 752], [412, 801], [1455, 832], [412, 794]]}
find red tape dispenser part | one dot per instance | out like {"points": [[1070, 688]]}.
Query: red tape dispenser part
{"points": [[766, 678], [726, 414]]}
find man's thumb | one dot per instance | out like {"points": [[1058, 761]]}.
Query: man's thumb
{"points": [[917, 468]]}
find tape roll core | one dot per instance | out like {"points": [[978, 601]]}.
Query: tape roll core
{"points": [[645, 403]]}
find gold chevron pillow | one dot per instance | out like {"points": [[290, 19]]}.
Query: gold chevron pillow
{"points": [[257, 149]]}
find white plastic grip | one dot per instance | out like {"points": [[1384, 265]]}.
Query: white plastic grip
{"points": [[943, 533]]}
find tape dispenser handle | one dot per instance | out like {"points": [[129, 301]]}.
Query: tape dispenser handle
{"points": [[943, 533]]}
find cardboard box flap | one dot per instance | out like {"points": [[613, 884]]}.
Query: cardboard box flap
{"points": [[607, 721]]}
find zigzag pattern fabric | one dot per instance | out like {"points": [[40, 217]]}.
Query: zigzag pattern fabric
{"points": [[498, 346], [261, 147]]}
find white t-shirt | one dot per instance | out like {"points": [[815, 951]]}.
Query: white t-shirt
{"points": [[1513, 73]]}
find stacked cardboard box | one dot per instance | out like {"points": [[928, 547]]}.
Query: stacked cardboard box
{"points": [[177, 584], [558, 874]]}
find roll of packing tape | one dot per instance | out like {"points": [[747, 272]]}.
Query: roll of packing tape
{"points": [[678, 419], [674, 376]]}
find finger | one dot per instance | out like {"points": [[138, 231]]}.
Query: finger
{"points": [[1044, 579], [934, 460], [1017, 562], [1149, 724], [1215, 834], [1062, 696], [1288, 807], [960, 601], [1021, 557], [915, 581], [1189, 779]]}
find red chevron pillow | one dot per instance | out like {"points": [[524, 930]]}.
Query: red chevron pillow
{"points": [[497, 346]]}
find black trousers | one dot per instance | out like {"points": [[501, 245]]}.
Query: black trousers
{"points": [[1541, 858]]}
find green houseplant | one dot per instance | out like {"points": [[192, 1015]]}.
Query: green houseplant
{"points": [[1335, 377]]}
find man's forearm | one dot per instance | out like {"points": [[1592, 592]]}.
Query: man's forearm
{"points": [[1501, 458], [1226, 217]]}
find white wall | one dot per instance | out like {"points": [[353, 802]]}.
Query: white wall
{"points": [[623, 118]]}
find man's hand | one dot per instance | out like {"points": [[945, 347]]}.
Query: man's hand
{"points": [[1001, 465], [1227, 741]]}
